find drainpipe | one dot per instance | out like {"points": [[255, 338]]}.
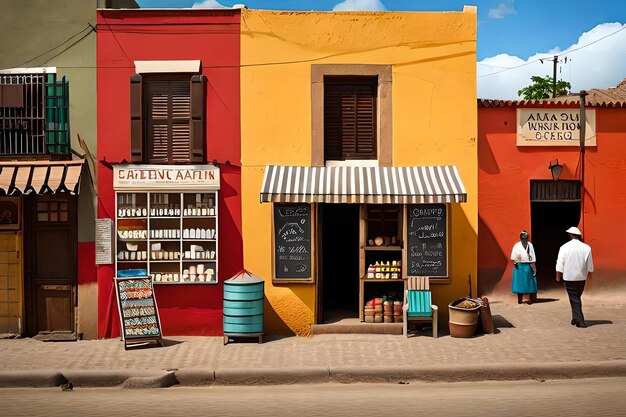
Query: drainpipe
{"points": [[583, 123]]}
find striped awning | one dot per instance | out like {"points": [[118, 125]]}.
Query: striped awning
{"points": [[377, 185], [40, 177]]}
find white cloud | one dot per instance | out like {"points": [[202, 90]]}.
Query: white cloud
{"points": [[601, 64], [502, 10], [359, 5], [208, 4]]}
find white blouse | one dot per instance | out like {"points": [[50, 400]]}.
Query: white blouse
{"points": [[519, 254]]}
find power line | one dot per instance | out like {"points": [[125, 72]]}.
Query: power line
{"points": [[69, 46], [591, 43], [557, 55], [510, 68], [54, 47]]}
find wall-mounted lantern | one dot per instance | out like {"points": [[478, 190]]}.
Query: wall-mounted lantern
{"points": [[555, 169]]}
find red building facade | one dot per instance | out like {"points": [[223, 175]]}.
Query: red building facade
{"points": [[142, 56], [517, 191]]}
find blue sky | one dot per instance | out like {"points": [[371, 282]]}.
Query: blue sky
{"points": [[511, 34]]}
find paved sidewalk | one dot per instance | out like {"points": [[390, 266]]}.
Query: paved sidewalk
{"points": [[531, 341]]}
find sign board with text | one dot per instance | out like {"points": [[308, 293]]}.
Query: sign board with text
{"points": [[554, 127], [292, 242], [139, 315], [158, 177], [427, 240]]}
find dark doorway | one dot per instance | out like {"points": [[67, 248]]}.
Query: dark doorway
{"points": [[549, 222], [50, 263], [340, 261]]}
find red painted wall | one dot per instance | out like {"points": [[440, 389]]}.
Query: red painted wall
{"points": [[211, 36], [505, 171]]}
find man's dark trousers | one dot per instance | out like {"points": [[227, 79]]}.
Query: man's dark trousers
{"points": [[574, 291]]}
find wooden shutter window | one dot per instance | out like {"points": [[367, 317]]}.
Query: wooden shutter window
{"points": [[136, 119], [168, 121], [196, 124], [350, 118]]}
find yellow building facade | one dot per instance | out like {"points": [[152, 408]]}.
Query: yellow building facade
{"points": [[423, 69]]}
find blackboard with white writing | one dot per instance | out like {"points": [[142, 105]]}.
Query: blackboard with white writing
{"points": [[292, 241], [427, 236]]}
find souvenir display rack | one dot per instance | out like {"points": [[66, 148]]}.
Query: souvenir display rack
{"points": [[171, 235], [381, 234]]}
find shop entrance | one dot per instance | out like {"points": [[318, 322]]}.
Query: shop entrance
{"points": [[339, 286], [549, 220], [50, 264]]}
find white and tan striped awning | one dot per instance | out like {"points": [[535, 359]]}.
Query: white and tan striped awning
{"points": [[40, 177], [384, 185]]}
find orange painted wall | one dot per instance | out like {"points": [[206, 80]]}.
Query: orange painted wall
{"points": [[504, 208]]}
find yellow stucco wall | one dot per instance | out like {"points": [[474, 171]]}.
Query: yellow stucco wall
{"points": [[433, 58]]}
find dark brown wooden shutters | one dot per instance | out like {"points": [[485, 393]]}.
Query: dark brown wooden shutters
{"points": [[169, 129], [350, 118], [197, 118], [136, 119]]}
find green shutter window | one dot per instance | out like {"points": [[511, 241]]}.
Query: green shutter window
{"points": [[57, 117]]}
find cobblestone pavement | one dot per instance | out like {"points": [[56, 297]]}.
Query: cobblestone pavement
{"points": [[537, 333]]}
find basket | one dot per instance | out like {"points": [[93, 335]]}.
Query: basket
{"points": [[486, 320], [463, 321]]}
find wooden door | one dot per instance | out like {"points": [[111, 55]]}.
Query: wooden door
{"points": [[50, 263]]}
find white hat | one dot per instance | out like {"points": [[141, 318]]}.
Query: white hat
{"points": [[574, 231]]}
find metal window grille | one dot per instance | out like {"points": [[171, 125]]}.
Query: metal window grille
{"points": [[40, 126]]}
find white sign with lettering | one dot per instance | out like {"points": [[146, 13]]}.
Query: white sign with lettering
{"points": [[104, 241], [160, 177], [554, 127]]}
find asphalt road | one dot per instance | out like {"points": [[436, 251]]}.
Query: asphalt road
{"points": [[580, 397]]}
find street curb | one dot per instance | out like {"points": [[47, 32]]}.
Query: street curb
{"points": [[31, 379], [124, 378], [483, 372], [272, 376], [163, 381], [193, 377]]}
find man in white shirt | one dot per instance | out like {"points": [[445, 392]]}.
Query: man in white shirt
{"points": [[572, 265]]}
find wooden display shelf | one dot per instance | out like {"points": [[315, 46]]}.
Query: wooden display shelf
{"points": [[382, 279], [362, 283], [389, 248], [160, 221]]}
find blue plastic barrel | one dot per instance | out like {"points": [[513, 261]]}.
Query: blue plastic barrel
{"points": [[244, 306]]}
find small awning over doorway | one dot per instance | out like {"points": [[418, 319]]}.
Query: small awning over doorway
{"points": [[40, 177], [374, 185]]}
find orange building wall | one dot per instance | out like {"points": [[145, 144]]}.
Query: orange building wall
{"points": [[505, 171]]}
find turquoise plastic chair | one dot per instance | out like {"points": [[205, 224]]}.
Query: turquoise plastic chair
{"points": [[418, 307]]}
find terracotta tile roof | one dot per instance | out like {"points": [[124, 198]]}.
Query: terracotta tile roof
{"points": [[610, 97]]}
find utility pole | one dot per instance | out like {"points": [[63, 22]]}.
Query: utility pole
{"points": [[555, 60], [583, 124], [555, 63]]}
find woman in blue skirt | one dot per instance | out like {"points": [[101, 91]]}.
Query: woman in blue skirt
{"points": [[524, 272]]}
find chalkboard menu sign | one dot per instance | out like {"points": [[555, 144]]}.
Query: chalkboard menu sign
{"points": [[138, 310], [427, 236], [292, 241]]}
